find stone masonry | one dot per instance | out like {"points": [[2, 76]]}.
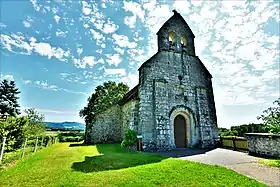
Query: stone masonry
{"points": [[264, 144], [172, 82]]}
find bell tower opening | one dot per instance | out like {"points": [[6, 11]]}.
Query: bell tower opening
{"points": [[176, 36], [172, 40]]}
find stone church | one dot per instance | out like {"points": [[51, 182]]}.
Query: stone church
{"points": [[173, 104]]}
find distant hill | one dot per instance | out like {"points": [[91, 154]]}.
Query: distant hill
{"points": [[65, 125]]}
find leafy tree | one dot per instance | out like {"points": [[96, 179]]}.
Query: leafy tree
{"points": [[9, 99], [227, 132], [271, 117], [103, 97], [248, 128], [36, 126], [13, 129]]}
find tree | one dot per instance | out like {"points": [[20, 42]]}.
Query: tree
{"points": [[13, 130], [271, 117], [8, 99], [36, 122], [248, 128], [35, 126], [227, 132], [103, 97]]}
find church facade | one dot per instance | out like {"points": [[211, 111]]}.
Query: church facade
{"points": [[173, 104]]}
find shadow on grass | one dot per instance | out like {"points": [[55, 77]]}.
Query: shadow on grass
{"points": [[77, 144], [113, 157]]}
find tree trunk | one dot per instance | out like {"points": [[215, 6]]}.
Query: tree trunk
{"points": [[35, 149], [2, 148], [25, 142]]}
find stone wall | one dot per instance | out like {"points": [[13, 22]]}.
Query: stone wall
{"points": [[107, 127], [263, 144], [130, 119], [170, 80]]}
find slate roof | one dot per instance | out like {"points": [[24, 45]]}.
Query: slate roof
{"points": [[132, 94]]}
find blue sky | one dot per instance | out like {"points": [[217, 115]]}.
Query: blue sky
{"points": [[59, 51]]}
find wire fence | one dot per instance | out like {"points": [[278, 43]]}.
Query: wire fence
{"points": [[29, 145]]}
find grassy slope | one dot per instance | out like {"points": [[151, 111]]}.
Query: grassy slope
{"points": [[61, 165]]}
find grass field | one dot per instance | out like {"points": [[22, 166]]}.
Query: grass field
{"points": [[109, 165]]}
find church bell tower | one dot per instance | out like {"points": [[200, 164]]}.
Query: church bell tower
{"points": [[175, 35]]}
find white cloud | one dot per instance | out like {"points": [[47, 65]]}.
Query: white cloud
{"points": [[26, 23], [109, 27], [60, 33], [7, 77], [17, 41], [86, 11], [131, 79], [135, 8], [87, 60], [46, 49], [119, 71], [123, 41], [79, 51], [119, 50], [35, 5], [97, 36], [45, 85], [26, 81], [86, 8], [114, 59], [57, 18], [130, 21], [2, 25], [43, 49]]}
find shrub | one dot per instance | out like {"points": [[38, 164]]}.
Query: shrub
{"points": [[70, 137], [130, 138]]}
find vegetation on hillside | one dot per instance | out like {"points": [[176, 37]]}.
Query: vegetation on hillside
{"points": [[270, 123], [18, 133], [67, 164]]}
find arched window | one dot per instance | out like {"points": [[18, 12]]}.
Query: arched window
{"points": [[184, 41], [172, 38]]}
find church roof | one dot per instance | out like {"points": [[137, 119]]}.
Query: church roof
{"points": [[132, 94], [176, 16]]}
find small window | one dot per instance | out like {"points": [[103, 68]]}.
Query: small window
{"points": [[184, 41], [172, 38]]}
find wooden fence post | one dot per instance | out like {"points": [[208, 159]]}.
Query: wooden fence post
{"points": [[42, 142], [2, 148], [221, 142], [234, 144], [25, 142], [35, 148]]}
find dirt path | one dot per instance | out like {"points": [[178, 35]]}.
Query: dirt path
{"points": [[237, 161]]}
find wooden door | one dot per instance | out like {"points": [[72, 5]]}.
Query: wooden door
{"points": [[180, 131]]}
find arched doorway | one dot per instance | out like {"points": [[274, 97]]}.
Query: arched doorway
{"points": [[180, 131]]}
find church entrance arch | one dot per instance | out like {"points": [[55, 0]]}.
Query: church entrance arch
{"points": [[180, 131], [182, 127]]}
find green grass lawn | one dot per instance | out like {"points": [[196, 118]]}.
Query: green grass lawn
{"points": [[110, 165], [271, 162]]}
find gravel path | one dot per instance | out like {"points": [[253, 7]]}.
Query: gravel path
{"points": [[237, 161]]}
